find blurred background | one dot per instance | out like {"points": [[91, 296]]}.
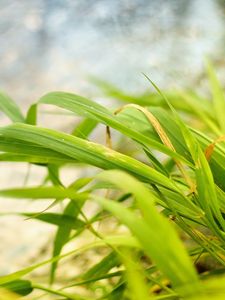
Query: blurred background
{"points": [[57, 44], [51, 45]]}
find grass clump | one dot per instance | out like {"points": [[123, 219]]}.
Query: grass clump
{"points": [[161, 185]]}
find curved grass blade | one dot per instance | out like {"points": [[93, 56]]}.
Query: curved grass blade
{"points": [[31, 117], [204, 178], [85, 151], [89, 109], [72, 209], [21, 287], [163, 244]]}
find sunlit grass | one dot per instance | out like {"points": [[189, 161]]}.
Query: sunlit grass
{"points": [[167, 208]]}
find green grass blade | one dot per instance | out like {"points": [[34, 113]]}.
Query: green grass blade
{"points": [[63, 233], [84, 129], [205, 182], [163, 245], [85, 151], [89, 109], [43, 193], [72, 209], [135, 278], [31, 117], [8, 106], [156, 248], [30, 150], [21, 287], [218, 96], [103, 267], [39, 159], [204, 178], [57, 219]]}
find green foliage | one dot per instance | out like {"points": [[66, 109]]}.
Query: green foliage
{"points": [[163, 195]]}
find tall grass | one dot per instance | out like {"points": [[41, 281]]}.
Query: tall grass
{"points": [[164, 193]]}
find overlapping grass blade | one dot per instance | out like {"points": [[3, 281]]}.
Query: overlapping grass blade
{"points": [[85, 151], [135, 278], [163, 245], [63, 233], [103, 267], [198, 107], [216, 161], [186, 101], [87, 108], [72, 209], [84, 128], [197, 209], [204, 179]]}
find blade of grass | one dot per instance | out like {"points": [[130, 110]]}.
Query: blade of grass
{"points": [[43, 193], [135, 278], [21, 287], [87, 108], [28, 149], [31, 117], [165, 247], [57, 219], [102, 267], [8, 106], [63, 233], [205, 182], [87, 152], [84, 129], [218, 95]]}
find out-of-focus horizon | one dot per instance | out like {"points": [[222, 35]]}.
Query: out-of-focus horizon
{"points": [[56, 45]]}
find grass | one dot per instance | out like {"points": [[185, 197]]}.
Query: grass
{"points": [[158, 180]]}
